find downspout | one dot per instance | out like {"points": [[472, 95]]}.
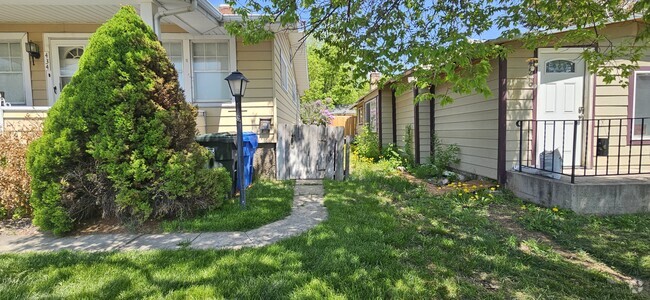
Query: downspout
{"points": [[156, 19]]}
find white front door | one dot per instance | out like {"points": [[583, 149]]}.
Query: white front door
{"points": [[65, 55], [561, 77]]}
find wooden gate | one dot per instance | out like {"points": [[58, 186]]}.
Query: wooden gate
{"points": [[310, 152]]}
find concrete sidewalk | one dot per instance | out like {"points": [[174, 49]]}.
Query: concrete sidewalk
{"points": [[306, 213]]}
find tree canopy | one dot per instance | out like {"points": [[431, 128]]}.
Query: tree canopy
{"points": [[444, 41], [329, 80]]}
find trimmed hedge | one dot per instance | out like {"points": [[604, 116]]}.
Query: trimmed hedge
{"points": [[119, 142]]}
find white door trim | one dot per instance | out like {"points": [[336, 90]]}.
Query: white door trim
{"points": [[48, 59]]}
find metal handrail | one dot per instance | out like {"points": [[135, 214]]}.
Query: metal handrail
{"points": [[596, 136]]}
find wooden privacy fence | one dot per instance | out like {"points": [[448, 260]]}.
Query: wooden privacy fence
{"points": [[348, 122], [312, 152]]}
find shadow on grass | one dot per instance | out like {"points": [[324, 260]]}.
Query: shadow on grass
{"points": [[622, 242], [267, 201], [384, 238]]}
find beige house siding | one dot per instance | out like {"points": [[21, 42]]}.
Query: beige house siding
{"points": [[471, 122], [255, 62], [519, 104], [386, 117], [612, 102], [424, 129], [287, 109], [404, 107]]}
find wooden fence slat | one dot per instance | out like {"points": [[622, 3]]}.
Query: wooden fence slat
{"points": [[310, 152], [337, 159]]}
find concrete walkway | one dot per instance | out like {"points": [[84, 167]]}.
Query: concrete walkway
{"points": [[307, 212]]}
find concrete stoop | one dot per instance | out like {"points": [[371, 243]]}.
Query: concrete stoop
{"points": [[590, 195]]}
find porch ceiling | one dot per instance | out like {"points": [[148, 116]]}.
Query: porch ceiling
{"points": [[200, 21]]}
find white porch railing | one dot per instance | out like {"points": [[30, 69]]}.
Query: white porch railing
{"points": [[4, 110]]}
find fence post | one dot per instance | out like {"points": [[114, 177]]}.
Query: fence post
{"points": [[346, 171], [573, 153], [521, 142]]}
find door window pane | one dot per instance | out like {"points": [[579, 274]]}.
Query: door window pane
{"points": [[642, 104], [210, 65], [11, 73], [560, 66], [68, 63]]}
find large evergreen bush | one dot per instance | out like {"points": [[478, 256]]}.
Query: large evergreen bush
{"points": [[119, 142]]}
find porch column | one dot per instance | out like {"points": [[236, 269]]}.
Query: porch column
{"points": [[148, 10]]}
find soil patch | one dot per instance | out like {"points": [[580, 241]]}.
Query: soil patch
{"points": [[114, 226], [471, 185], [18, 227], [25, 227]]}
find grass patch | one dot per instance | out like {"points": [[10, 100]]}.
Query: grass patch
{"points": [[384, 238], [622, 242], [266, 201]]}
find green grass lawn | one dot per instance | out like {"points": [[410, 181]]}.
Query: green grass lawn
{"points": [[622, 242], [266, 201], [384, 238]]}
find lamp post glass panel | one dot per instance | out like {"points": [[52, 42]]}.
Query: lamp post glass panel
{"points": [[237, 83]]}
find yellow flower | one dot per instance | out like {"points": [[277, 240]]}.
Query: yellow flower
{"points": [[492, 189], [466, 190], [523, 207], [439, 188], [473, 186], [498, 185], [555, 209], [460, 194]]}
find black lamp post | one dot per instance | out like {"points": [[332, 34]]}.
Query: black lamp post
{"points": [[237, 83]]}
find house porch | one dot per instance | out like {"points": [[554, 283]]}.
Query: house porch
{"points": [[603, 195]]}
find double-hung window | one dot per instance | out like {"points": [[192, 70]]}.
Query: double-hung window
{"points": [[640, 101], [202, 65], [210, 65], [14, 69]]}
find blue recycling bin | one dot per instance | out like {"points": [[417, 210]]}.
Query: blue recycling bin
{"points": [[250, 146]]}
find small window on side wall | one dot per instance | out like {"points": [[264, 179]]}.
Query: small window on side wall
{"points": [[370, 114], [641, 104]]}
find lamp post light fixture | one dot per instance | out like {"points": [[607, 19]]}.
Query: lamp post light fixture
{"points": [[237, 83]]}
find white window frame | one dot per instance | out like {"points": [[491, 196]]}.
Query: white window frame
{"points": [[635, 137], [284, 72], [367, 114], [47, 59], [188, 71], [27, 76]]}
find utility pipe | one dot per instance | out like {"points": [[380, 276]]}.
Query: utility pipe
{"points": [[156, 19]]}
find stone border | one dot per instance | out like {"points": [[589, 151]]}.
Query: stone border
{"points": [[307, 211]]}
